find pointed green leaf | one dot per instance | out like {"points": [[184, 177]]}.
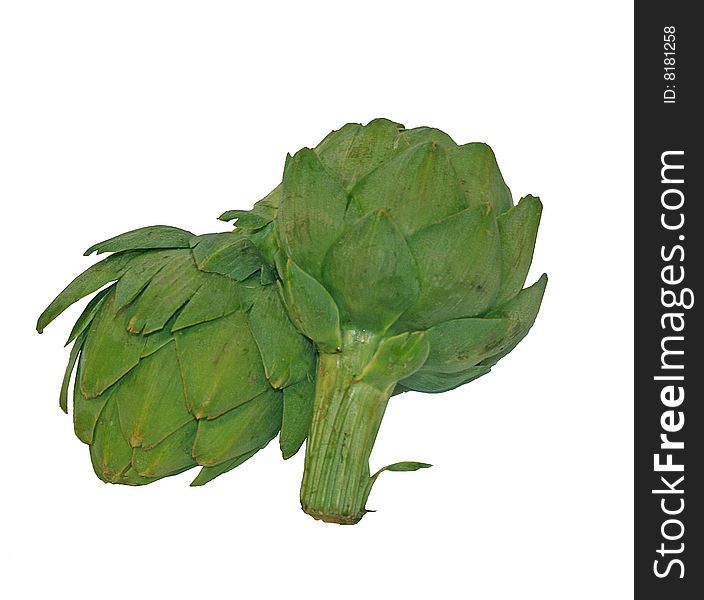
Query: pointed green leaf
{"points": [[371, 274], [110, 453], [434, 382], [144, 238], [91, 280], [247, 219], [150, 399], [288, 357], [87, 315], [263, 211], [109, 352], [522, 311], [86, 410], [297, 416], [310, 307], [459, 268], [220, 365], [459, 344], [72, 358], [240, 430], [167, 291], [232, 215], [312, 208], [207, 474], [229, 254], [170, 456], [218, 296], [404, 467], [418, 187], [480, 178], [518, 229], [396, 358], [140, 272], [400, 466], [354, 151]]}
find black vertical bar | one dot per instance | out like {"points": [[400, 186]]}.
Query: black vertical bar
{"points": [[669, 357]]}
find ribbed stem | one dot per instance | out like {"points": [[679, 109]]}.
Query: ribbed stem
{"points": [[347, 414]]}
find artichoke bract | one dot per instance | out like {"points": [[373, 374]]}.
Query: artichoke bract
{"points": [[386, 260]]}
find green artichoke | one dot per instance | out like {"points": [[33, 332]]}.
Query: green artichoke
{"points": [[186, 358], [386, 260]]}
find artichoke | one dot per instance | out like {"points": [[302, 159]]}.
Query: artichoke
{"points": [[386, 260], [186, 358]]}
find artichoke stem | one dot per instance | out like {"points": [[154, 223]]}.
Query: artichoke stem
{"points": [[347, 414]]}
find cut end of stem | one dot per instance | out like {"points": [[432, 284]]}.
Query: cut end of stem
{"points": [[334, 518]]}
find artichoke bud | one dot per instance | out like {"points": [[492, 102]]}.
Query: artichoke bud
{"points": [[186, 358], [414, 242], [397, 231]]}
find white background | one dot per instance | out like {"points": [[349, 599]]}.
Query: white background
{"points": [[119, 115]]}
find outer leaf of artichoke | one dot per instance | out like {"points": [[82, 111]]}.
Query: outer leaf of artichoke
{"points": [[518, 229], [310, 306], [459, 268], [371, 274], [311, 212], [146, 238], [479, 176]]}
